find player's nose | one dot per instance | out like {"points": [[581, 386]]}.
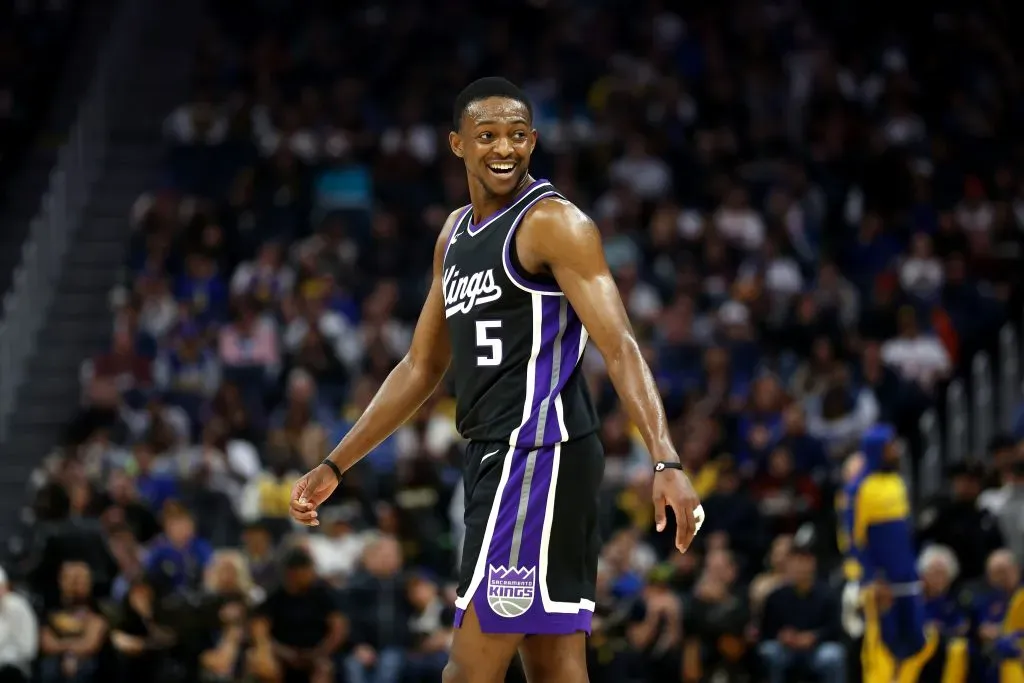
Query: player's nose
{"points": [[504, 148]]}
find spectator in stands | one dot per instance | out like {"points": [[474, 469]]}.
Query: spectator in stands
{"points": [[786, 496], [201, 289], [267, 496], [896, 399], [841, 415], [125, 505], [337, 550], [158, 311], [299, 425], [139, 641], [990, 602], [123, 365], [921, 273], [760, 425], [773, 576], [259, 554], [616, 617], [960, 525], [154, 477], [19, 635], [431, 622], [377, 606], [250, 341], [918, 357], [73, 631], [660, 635], [304, 621], [229, 594], [939, 571], [815, 374], [1011, 512], [731, 512], [266, 279], [187, 369], [177, 559], [716, 619], [800, 627]]}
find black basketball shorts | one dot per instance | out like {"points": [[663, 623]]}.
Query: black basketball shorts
{"points": [[529, 562]]}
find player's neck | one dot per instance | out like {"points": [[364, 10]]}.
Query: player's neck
{"points": [[486, 204]]}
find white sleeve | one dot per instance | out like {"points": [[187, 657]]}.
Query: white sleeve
{"points": [[26, 634], [249, 501]]}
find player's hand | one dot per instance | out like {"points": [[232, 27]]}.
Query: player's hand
{"points": [[672, 489], [310, 492]]}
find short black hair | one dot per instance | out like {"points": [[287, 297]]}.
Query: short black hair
{"points": [[481, 89], [297, 558]]}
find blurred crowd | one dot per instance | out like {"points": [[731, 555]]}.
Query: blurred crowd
{"points": [[35, 36], [814, 221]]}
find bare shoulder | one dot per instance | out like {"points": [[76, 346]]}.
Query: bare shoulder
{"points": [[558, 213], [555, 228]]}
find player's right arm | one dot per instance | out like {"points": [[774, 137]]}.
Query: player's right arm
{"points": [[408, 386]]}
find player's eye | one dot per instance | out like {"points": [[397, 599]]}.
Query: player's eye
{"points": [[485, 136], [519, 135]]}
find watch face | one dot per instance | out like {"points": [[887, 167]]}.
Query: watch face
{"points": [[659, 467]]}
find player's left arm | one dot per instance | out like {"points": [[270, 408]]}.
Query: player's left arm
{"points": [[558, 238]]}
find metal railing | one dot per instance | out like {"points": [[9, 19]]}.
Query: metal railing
{"points": [[78, 165], [973, 417]]}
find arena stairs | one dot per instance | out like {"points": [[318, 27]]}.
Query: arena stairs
{"points": [[78, 324], [22, 197]]}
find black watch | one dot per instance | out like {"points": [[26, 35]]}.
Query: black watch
{"points": [[667, 465], [334, 468]]}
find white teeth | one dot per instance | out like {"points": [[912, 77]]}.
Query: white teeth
{"points": [[502, 166]]}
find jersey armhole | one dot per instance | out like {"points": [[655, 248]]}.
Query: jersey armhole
{"points": [[534, 283], [463, 212]]}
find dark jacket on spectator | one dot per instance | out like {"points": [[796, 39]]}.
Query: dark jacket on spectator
{"points": [[816, 611], [378, 611]]}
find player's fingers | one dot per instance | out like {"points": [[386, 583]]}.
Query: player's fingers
{"points": [[299, 490], [659, 514], [302, 511], [686, 526]]}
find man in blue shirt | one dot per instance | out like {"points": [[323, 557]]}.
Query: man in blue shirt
{"points": [[178, 557]]}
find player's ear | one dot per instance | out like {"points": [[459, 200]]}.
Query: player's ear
{"points": [[534, 135], [455, 142]]}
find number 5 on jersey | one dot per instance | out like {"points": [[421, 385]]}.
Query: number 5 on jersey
{"points": [[488, 343]]}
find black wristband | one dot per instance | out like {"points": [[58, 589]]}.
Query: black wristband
{"points": [[334, 468], [667, 465]]}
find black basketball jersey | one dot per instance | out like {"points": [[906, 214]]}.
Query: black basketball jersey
{"points": [[517, 344]]}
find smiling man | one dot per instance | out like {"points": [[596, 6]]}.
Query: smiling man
{"points": [[520, 285]]}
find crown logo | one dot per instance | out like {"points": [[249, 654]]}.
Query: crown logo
{"points": [[516, 573], [510, 590]]}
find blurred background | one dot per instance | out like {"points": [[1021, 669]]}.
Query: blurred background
{"points": [[216, 232]]}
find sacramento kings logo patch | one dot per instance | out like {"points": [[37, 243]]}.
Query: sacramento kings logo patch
{"points": [[510, 591]]}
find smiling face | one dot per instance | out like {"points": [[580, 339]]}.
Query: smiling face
{"points": [[495, 139]]}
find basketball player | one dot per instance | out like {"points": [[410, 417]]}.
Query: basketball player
{"points": [[520, 285]]}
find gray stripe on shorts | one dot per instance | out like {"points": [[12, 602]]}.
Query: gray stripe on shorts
{"points": [[542, 419]]}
